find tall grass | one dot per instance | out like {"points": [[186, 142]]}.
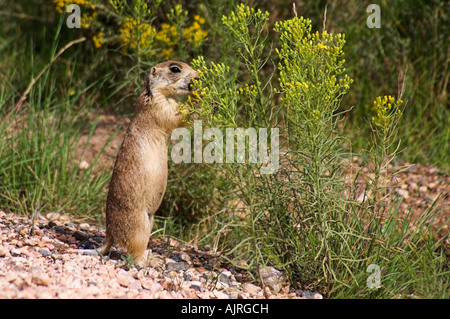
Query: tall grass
{"points": [[40, 167]]}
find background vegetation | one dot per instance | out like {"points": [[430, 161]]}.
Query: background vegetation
{"points": [[55, 83]]}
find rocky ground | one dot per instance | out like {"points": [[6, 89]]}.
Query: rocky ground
{"points": [[38, 260]]}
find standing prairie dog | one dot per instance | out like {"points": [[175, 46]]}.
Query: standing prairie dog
{"points": [[139, 178]]}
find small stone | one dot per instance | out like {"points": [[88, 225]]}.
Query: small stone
{"points": [[317, 296], [185, 257], [45, 252], [84, 165], [123, 278], [71, 239], [197, 288], [85, 226], [432, 185], [147, 283], [423, 189], [403, 192], [135, 284], [272, 278], [412, 169], [363, 197], [3, 252], [177, 266], [41, 280], [307, 294], [224, 279], [80, 235], [58, 229], [220, 294], [38, 232], [241, 296], [15, 252], [52, 216], [250, 288]]}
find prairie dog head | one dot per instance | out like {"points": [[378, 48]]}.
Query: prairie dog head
{"points": [[171, 79]]}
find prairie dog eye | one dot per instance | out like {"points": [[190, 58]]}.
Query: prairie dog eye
{"points": [[175, 69]]}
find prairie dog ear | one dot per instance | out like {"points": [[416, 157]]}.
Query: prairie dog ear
{"points": [[153, 71]]}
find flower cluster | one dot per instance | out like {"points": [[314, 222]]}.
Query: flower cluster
{"points": [[217, 103], [386, 109], [137, 32], [136, 35], [194, 33], [167, 34], [312, 76], [98, 39], [245, 16]]}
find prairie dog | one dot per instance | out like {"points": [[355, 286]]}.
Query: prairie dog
{"points": [[139, 178]]}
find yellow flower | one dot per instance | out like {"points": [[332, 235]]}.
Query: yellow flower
{"points": [[167, 53], [386, 108], [167, 34], [199, 19], [62, 4], [135, 35], [194, 34], [98, 39], [86, 20]]}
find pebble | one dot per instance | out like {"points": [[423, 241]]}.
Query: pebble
{"points": [[135, 284], [124, 278], [15, 252], [432, 185], [177, 266], [272, 278], [3, 252], [45, 251], [26, 271], [42, 280], [85, 226], [403, 192], [250, 288]]}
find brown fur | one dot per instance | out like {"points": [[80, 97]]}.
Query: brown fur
{"points": [[139, 178]]}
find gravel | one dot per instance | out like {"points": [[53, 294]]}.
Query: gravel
{"points": [[43, 264]]}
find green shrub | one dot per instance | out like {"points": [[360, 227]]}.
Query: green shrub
{"points": [[303, 219]]}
